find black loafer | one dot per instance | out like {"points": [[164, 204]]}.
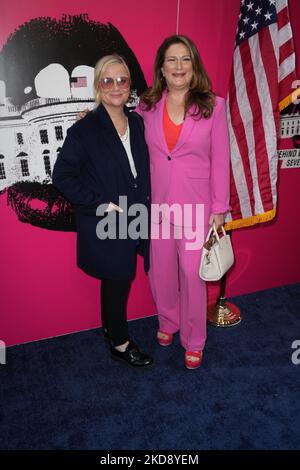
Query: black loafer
{"points": [[132, 356]]}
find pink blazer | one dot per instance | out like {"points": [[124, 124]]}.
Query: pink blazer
{"points": [[197, 169]]}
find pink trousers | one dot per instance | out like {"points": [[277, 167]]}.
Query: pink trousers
{"points": [[178, 292]]}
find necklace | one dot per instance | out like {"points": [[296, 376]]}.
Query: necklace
{"points": [[124, 137]]}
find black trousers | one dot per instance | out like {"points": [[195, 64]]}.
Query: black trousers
{"points": [[114, 296]]}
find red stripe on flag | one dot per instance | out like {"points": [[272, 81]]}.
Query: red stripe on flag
{"points": [[283, 17], [286, 50], [261, 154], [234, 199], [240, 135], [270, 64]]}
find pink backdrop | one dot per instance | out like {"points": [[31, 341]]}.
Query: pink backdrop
{"points": [[43, 294]]}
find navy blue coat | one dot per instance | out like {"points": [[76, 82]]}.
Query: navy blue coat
{"points": [[93, 168]]}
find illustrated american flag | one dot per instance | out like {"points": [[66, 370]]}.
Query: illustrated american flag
{"points": [[261, 84], [77, 82]]}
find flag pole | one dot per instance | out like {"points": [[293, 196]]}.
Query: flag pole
{"points": [[223, 313]]}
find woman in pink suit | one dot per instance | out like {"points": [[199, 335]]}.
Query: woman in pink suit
{"points": [[187, 136]]}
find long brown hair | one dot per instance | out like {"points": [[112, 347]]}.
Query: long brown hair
{"points": [[200, 98]]}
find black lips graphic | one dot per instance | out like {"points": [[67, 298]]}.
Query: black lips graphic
{"points": [[71, 41]]}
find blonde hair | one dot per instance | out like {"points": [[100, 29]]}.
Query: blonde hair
{"points": [[100, 68]]}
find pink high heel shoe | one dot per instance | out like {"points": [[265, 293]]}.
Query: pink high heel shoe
{"points": [[164, 339]]}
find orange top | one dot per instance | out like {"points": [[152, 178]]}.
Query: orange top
{"points": [[171, 130]]}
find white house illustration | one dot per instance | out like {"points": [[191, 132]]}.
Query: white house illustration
{"points": [[31, 135], [290, 124]]}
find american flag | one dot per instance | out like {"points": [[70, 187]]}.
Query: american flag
{"points": [[77, 82], [262, 76]]}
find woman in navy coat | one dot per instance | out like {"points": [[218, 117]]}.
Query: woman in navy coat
{"points": [[104, 157]]}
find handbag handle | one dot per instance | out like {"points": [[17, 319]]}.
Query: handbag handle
{"points": [[214, 230]]}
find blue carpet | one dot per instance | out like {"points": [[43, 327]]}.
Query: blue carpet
{"points": [[66, 392]]}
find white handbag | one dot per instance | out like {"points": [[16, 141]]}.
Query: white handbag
{"points": [[217, 255]]}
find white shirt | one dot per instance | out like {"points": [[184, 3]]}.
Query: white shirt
{"points": [[127, 147]]}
